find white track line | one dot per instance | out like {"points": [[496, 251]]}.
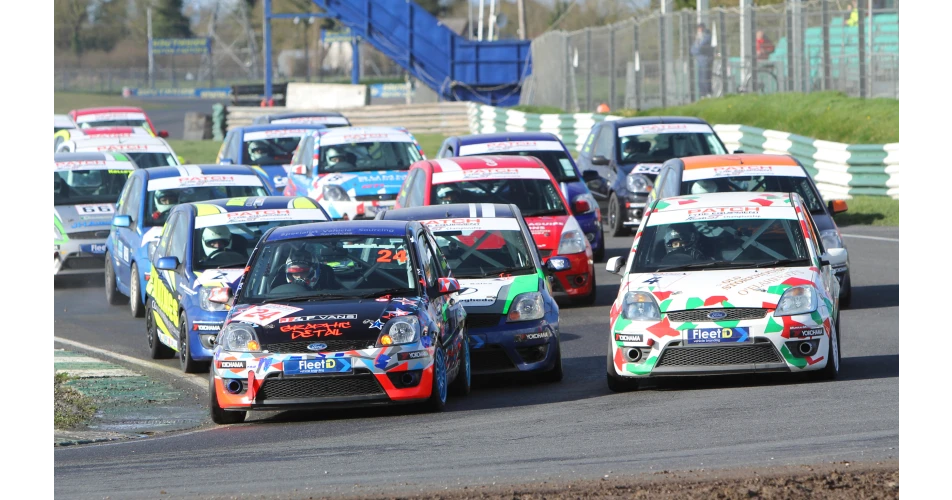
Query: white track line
{"points": [[199, 382], [877, 238]]}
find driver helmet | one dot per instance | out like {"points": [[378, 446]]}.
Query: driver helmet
{"points": [[256, 151], [165, 200], [448, 195], [334, 155], [704, 186], [678, 240], [300, 269], [84, 181], [215, 238]]}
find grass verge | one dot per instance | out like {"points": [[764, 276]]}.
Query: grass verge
{"points": [[869, 211], [71, 409]]}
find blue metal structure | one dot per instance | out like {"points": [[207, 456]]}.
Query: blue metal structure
{"points": [[456, 68]]}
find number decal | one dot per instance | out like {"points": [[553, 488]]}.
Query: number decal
{"points": [[384, 255], [400, 256]]}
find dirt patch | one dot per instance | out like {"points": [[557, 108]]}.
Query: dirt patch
{"points": [[71, 409], [843, 480]]}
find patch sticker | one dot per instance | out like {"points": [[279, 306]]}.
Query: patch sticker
{"points": [[244, 216], [492, 147], [93, 165], [103, 117], [716, 335], [330, 120], [265, 314], [274, 134], [489, 174], [665, 128], [204, 180], [693, 174], [471, 224]]}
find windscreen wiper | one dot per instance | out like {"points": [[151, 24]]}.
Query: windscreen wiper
{"points": [[781, 263], [387, 291], [302, 298], [695, 265]]}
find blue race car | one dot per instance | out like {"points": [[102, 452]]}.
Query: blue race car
{"points": [[511, 317], [267, 148], [144, 205], [330, 119], [557, 159], [353, 171], [197, 263]]}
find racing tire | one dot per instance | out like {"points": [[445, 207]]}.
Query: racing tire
{"points": [[188, 364], [437, 401], [589, 299], [113, 296], [832, 368], [463, 383], [555, 374], [846, 294], [617, 383], [220, 416], [599, 255], [616, 217], [157, 350], [136, 307]]}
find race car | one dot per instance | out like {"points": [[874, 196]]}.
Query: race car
{"points": [[353, 171], [301, 335], [197, 263], [627, 155], [525, 182], [147, 152], [724, 283], [556, 157], [63, 122], [756, 173], [329, 119], [143, 208], [64, 135], [265, 147], [115, 116], [86, 187], [511, 317]]}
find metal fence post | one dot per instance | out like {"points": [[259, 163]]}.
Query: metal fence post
{"points": [[722, 43], [826, 44], [791, 62], [753, 51], [566, 63], [861, 10], [611, 66], [662, 61], [588, 69], [637, 63]]}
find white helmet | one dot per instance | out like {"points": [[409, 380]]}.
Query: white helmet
{"points": [[214, 234], [172, 195], [333, 153], [704, 186], [84, 181]]}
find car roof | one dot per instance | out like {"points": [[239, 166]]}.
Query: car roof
{"points": [[63, 121], [93, 132], [341, 228], [452, 211], [651, 120], [737, 160], [477, 162], [244, 203], [193, 170], [108, 109], [466, 140], [281, 126], [739, 199], [120, 143]]}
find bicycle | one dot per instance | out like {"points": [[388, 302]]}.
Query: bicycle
{"points": [[767, 82]]}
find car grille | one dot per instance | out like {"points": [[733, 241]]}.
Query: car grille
{"points": [[84, 263], [700, 315], [720, 355], [89, 235], [376, 197], [332, 346], [490, 358], [363, 384], [482, 320]]}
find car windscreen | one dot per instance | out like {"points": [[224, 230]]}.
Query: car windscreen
{"points": [[151, 160], [117, 123], [237, 242], [72, 187], [659, 148], [156, 217], [556, 162], [270, 151], [343, 266], [353, 157], [484, 253], [720, 244], [534, 197], [758, 183]]}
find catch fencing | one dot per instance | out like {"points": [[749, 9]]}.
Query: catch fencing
{"points": [[648, 62]]}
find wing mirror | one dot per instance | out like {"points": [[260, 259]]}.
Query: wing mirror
{"points": [[558, 264], [837, 206], [163, 133], [448, 285], [122, 221], [615, 265], [167, 263], [590, 175], [581, 206], [836, 253], [599, 160]]}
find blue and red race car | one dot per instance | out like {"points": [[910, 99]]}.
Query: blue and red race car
{"points": [[267, 148]]}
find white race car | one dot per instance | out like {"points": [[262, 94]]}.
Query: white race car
{"points": [[145, 151], [724, 283]]}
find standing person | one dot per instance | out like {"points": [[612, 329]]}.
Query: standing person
{"points": [[852, 19], [765, 46], [704, 55]]}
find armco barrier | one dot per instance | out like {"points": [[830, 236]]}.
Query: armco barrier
{"points": [[839, 170], [448, 118]]}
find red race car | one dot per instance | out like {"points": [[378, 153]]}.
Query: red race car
{"points": [[115, 116], [523, 181]]}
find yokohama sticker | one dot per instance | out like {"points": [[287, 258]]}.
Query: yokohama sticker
{"points": [[266, 314]]}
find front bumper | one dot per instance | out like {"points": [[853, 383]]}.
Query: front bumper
{"points": [[378, 376], [74, 257], [354, 210], [575, 281], [501, 347], [653, 349], [634, 209]]}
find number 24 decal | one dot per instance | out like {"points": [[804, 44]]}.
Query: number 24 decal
{"points": [[385, 255]]}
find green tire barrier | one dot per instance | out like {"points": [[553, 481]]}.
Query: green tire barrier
{"points": [[840, 171], [219, 124]]}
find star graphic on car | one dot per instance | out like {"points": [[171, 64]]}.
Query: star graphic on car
{"points": [[377, 324]]}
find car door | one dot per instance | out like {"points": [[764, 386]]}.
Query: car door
{"points": [[178, 231], [127, 238], [602, 149], [446, 316]]}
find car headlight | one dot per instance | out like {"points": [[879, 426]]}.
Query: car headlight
{"points": [[638, 183], [831, 239], [527, 306], [571, 242], [797, 300], [400, 330], [640, 306], [334, 192], [238, 337], [206, 293]]}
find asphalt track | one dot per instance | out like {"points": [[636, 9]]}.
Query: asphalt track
{"points": [[510, 432]]}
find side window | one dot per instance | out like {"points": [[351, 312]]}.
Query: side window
{"points": [[130, 199], [589, 141], [296, 158], [604, 142], [124, 197], [407, 185], [162, 248], [446, 151], [814, 233], [429, 262], [444, 267], [225, 151], [179, 238], [416, 190]]}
